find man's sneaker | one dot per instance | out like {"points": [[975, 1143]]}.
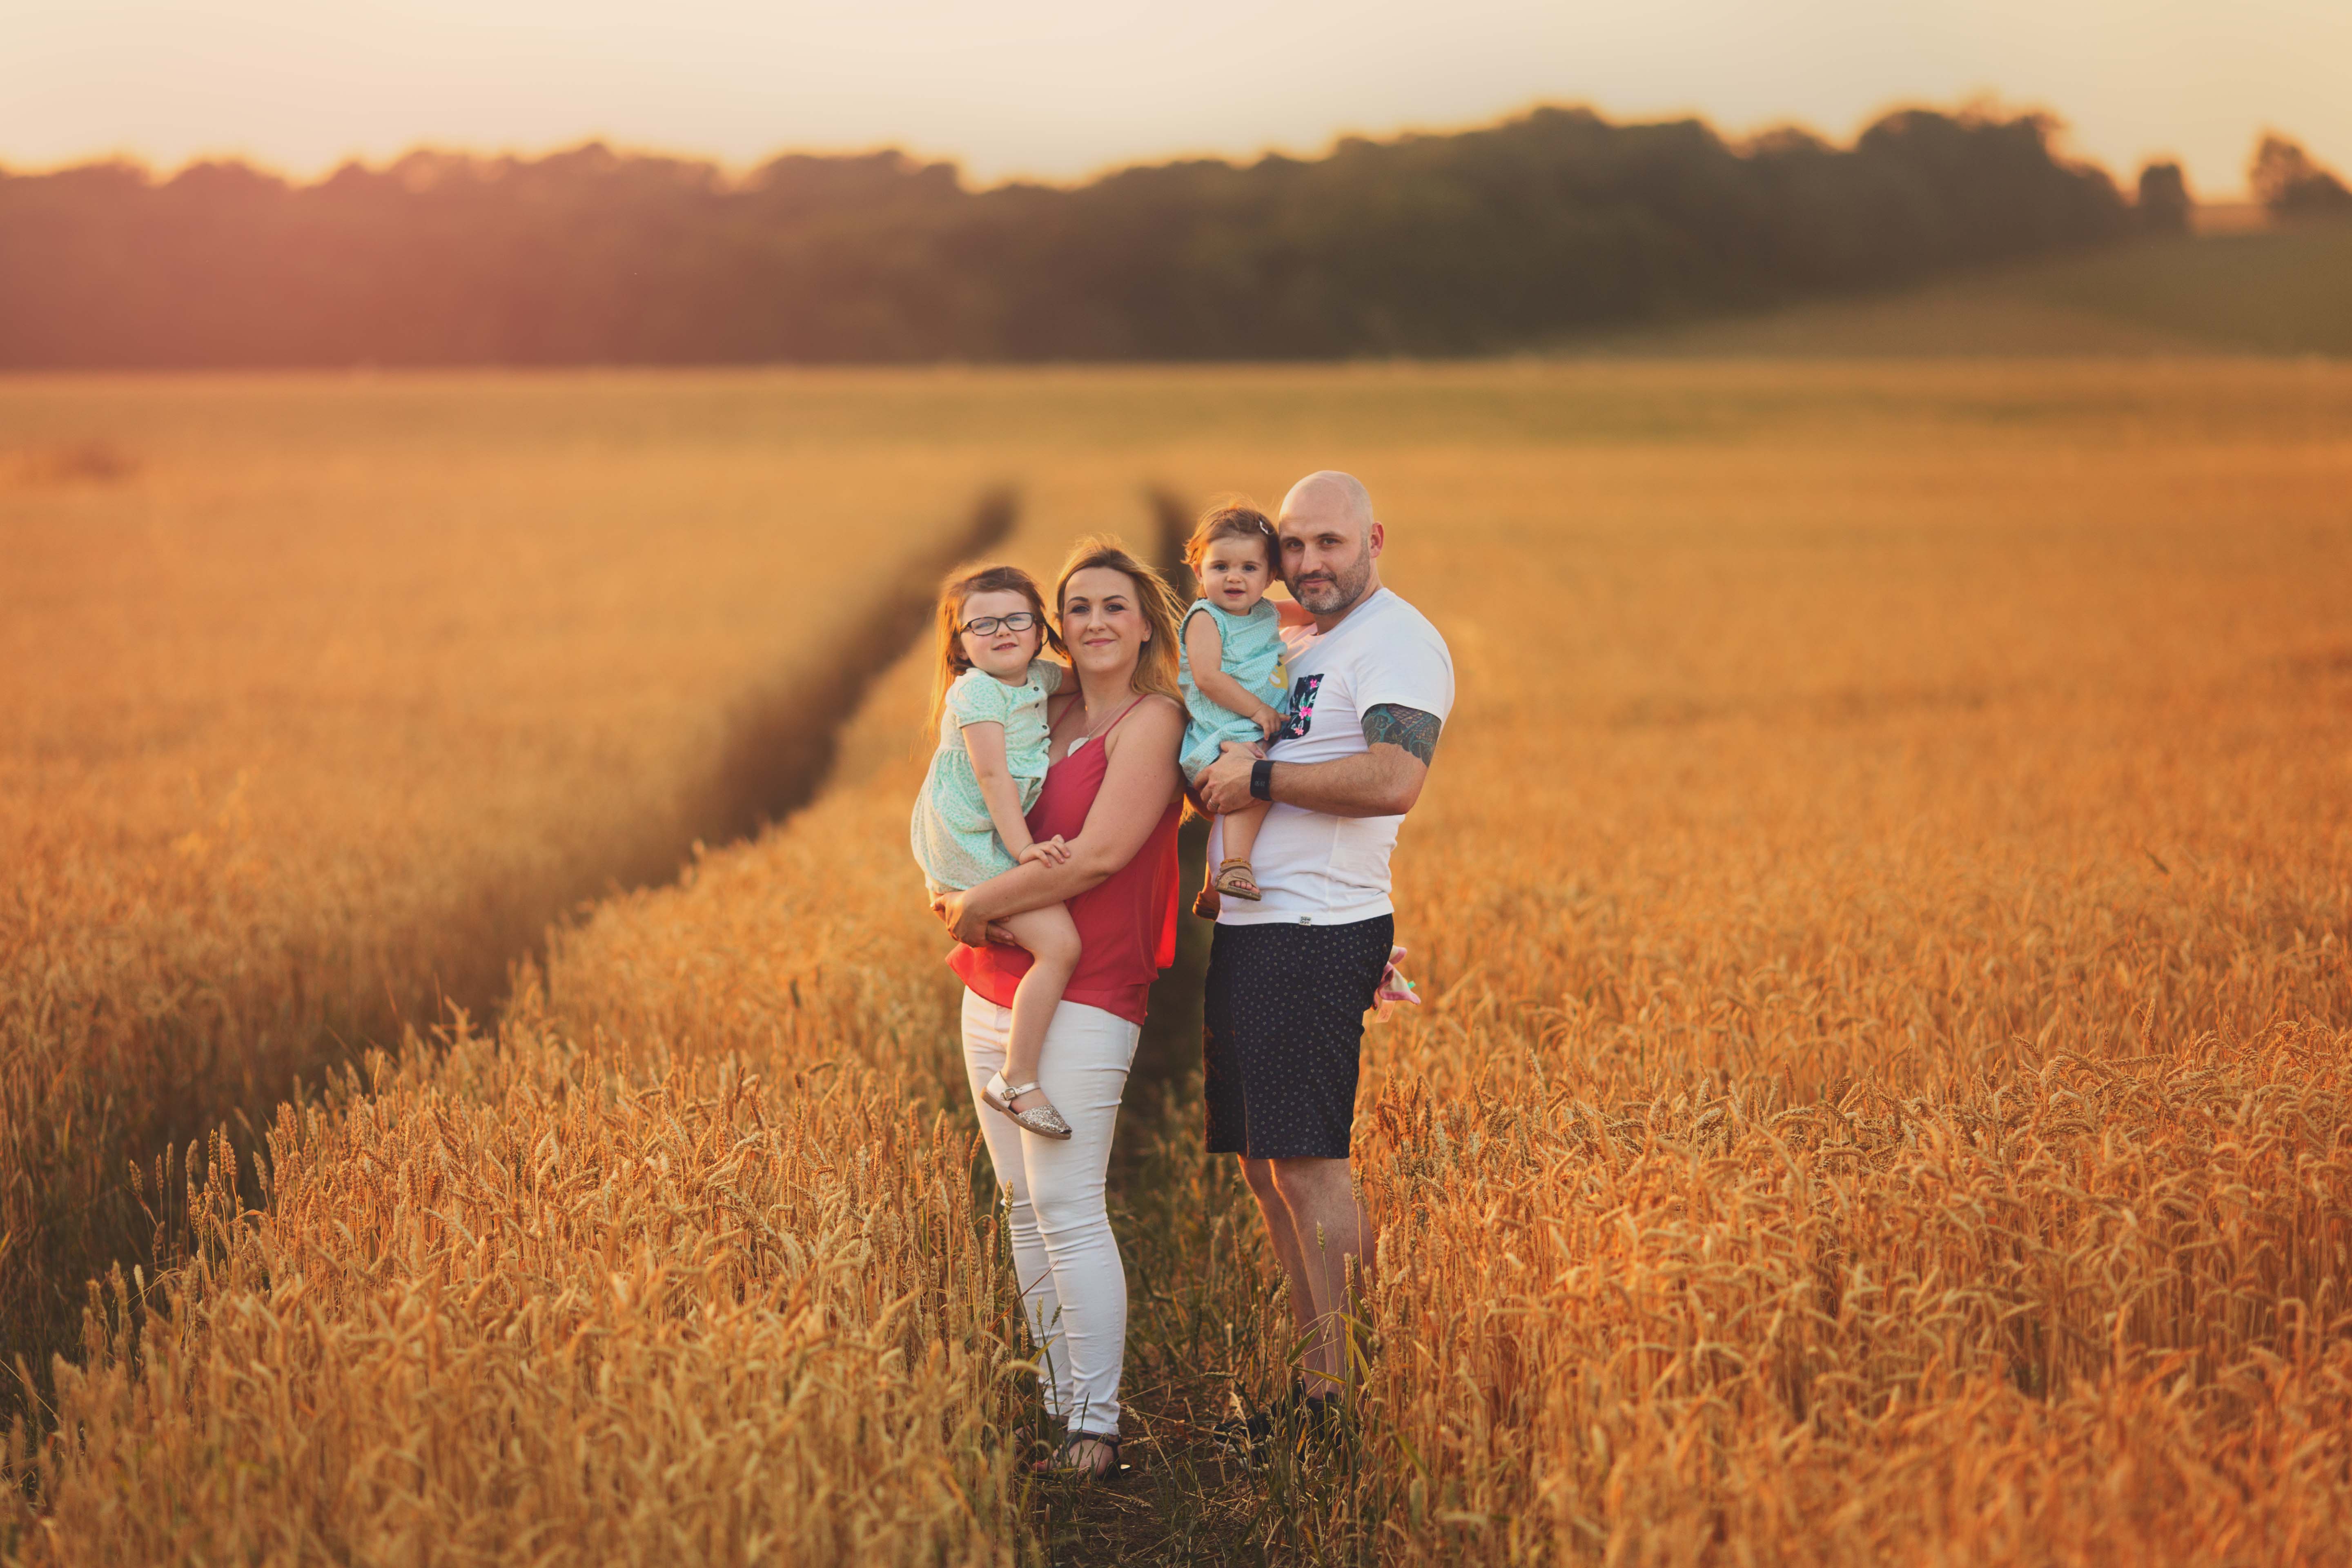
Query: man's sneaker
{"points": [[1245, 1433], [1323, 1418]]}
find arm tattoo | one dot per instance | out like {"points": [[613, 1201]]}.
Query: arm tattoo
{"points": [[1409, 727]]}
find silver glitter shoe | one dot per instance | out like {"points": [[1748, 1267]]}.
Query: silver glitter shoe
{"points": [[1043, 1120]]}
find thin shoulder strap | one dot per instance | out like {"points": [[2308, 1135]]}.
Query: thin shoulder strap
{"points": [[1096, 737], [1120, 719]]}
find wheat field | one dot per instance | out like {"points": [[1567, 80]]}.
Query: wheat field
{"points": [[320, 700], [1882, 897]]}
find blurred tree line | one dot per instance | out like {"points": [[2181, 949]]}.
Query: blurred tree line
{"points": [[2287, 181], [1495, 239]]}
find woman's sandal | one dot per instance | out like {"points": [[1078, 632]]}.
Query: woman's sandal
{"points": [[1093, 1468], [1234, 877], [1043, 1120]]}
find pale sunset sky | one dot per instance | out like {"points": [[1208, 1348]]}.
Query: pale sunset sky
{"points": [[1058, 89]]}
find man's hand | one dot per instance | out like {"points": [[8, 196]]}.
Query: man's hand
{"points": [[1224, 787], [1054, 851], [1382, 780]]}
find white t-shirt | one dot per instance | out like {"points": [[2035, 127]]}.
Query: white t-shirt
{"points": [[1317, 869]]}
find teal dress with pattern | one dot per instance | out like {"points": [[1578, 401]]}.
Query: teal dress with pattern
{"points": [[1252, 656], [954, 840]]}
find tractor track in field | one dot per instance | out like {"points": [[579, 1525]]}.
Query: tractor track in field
{"points": [[779, 747], [1184, 1500], [781, 738]]}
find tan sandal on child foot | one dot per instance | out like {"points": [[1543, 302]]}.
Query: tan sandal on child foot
{"points": [[1043, 1120], [1205, 903], [1234, 877]]}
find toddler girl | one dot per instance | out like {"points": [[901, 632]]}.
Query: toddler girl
{"points": [[988, 701], [1230, 666]]}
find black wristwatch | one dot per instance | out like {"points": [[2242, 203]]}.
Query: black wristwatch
{"points": [[1262, 780]]}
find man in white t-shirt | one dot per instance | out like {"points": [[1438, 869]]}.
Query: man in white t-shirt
{"points": [[1291, 976]]}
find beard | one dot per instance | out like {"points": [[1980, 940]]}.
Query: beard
{"points": [[1332, 589]]}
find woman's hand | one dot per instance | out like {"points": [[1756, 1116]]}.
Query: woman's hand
{"points": [[966, 925], [1140, 783]]}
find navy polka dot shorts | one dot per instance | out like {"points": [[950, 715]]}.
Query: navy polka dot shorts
{"points": [[1282, 1032]]}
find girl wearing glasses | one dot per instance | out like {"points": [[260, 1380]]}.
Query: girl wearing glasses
{"points": [[988, 701]]}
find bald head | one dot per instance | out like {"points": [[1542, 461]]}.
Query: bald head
{"points": [[1330, 544], [1327, 492]]}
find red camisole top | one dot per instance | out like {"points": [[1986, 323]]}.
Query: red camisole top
{"points": [[1127, 923]]}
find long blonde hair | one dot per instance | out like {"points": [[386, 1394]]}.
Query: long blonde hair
{"points": [[960, 586], [1155, 664]]}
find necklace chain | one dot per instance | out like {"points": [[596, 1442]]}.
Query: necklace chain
{"points": [[1098, 729]]}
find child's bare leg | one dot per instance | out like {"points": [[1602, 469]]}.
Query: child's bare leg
{"points": [[1052, 940], [1231, 874], [1205, 903], [1241, 829]]}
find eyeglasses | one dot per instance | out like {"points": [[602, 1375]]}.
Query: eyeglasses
{"points": [[988, 626]]}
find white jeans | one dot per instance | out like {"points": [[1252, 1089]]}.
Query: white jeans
{"points": [[1071, 1283]]}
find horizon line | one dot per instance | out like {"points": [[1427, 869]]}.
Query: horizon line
{"points": [[1982, 104]]}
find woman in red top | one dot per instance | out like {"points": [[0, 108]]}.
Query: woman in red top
{"points": [[1113, 795]]}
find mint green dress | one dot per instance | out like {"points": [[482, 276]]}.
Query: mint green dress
{"points": [[1252, 656], [954, 840]]}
